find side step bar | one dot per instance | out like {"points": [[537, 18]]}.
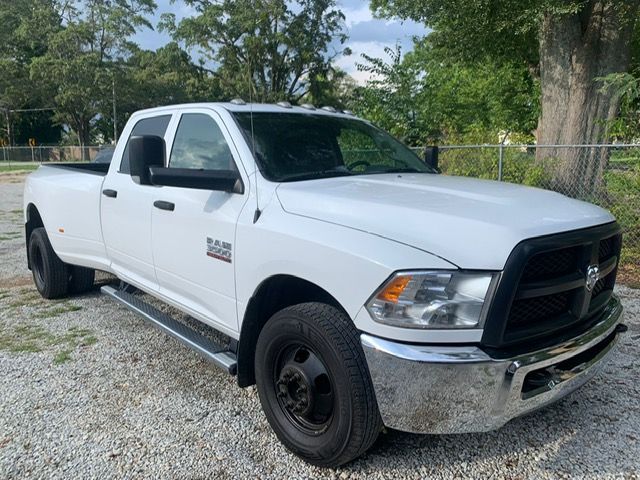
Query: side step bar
{"points": [[211, 350]]}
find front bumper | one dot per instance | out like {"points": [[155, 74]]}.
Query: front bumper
{"points": [[459, 389]]}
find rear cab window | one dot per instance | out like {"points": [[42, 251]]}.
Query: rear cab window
{"points": [[147, 126]]}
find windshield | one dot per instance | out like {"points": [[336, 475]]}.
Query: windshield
{"points": [[294, 146]]}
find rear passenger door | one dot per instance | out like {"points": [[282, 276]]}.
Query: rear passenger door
{"points": [[193, 244], [126, 211]]}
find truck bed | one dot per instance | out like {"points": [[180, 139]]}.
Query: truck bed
{"points": [[68, 198], [93, 168]]}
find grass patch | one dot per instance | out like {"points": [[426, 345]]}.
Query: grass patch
{"points": [[25, 338], [57, 310], [62, 356], [32, 338], [28, 297], [10, 236], [17, 167]]}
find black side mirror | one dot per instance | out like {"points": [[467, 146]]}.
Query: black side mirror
{"points": [[145, 151], [222, 180], [431, 157]]}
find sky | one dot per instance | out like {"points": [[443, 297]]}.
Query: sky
{"points": [[366, 34]]}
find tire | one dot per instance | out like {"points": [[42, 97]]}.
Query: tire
{"points": [[50, 274], [81, 279], [314, 384]]}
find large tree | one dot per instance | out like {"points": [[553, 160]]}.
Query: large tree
{"points": [[81, 60], [149, 78], [570, 45], [19, 44], [268, 50]]}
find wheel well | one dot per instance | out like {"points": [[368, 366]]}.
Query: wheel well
{"points": [[273, 294], [34, 220]]}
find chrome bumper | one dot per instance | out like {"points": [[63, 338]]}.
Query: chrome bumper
{"points": [[441, 389]]}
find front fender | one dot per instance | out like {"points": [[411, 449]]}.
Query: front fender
{"points": [[348, 264]]}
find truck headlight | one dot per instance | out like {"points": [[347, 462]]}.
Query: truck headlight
{"points": [[433, 299]]}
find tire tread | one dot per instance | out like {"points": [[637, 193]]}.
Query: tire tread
{"points": [[341, 332], [56, 273]]}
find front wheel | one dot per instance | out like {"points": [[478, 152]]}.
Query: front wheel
{"points": [[314, 384]]}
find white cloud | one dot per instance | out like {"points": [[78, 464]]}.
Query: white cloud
{"points": [[348, 64], [356, 15]]}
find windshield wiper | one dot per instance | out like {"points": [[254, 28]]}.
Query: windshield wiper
{"points": [[315, 175], [396, 170]]}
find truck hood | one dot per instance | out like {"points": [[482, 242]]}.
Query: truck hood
{"points": [[471, 223]]}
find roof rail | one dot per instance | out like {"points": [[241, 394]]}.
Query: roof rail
{"points": [[284, 104], [308, 106], [329, 109], [238, 101]]}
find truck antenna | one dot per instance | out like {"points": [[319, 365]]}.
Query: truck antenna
{"points": [[257, 213]]}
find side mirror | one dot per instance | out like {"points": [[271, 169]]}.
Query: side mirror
{"points": [[145, 151], [222, 180], [431, 157]]}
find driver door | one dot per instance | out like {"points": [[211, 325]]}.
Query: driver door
{"points": [[193, 241]]}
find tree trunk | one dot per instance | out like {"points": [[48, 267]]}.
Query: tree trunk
{"points": [[575, 51], [83, 130]]}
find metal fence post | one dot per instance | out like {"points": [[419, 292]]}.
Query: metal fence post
{"points": [[500, 159]]}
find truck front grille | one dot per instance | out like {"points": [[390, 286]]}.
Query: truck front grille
{"points": [[529, 310], [544, 291]]}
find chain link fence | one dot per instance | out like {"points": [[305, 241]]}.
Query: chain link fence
{"points": [[607, 175], [43, 154]]}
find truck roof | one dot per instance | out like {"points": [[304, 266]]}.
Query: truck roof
{"points": [[240, 106]]}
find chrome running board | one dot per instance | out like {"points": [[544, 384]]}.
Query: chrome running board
{"points": [[212, 351]]}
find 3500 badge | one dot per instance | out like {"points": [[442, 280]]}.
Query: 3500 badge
{"points": [[219, 250]]}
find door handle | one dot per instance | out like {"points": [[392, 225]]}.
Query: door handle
{"points": [[162, 205], [107, 192]]}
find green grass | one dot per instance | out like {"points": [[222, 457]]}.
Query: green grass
{"points": [[62, 357], [57, 310], [18, 167], [25, 338], [10, 236], [33, 338]]}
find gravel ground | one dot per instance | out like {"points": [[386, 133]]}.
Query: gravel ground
{"points": [[88, 390]]}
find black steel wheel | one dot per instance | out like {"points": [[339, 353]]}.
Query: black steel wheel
{"points": [[304, 388], [314, 384], [50, 274]]}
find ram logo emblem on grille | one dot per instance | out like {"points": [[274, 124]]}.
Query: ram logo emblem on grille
{"points": [[593, 275]]}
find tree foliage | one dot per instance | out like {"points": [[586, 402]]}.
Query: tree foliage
{"points": [[19, 45], [267, 50], [423, 98], [82, 54], [566, 45]]}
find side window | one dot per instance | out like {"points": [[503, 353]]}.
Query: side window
{"points": [[199, 144], [147, 126]]}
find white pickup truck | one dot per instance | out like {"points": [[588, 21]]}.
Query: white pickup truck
{"points": [[354, 285]]}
